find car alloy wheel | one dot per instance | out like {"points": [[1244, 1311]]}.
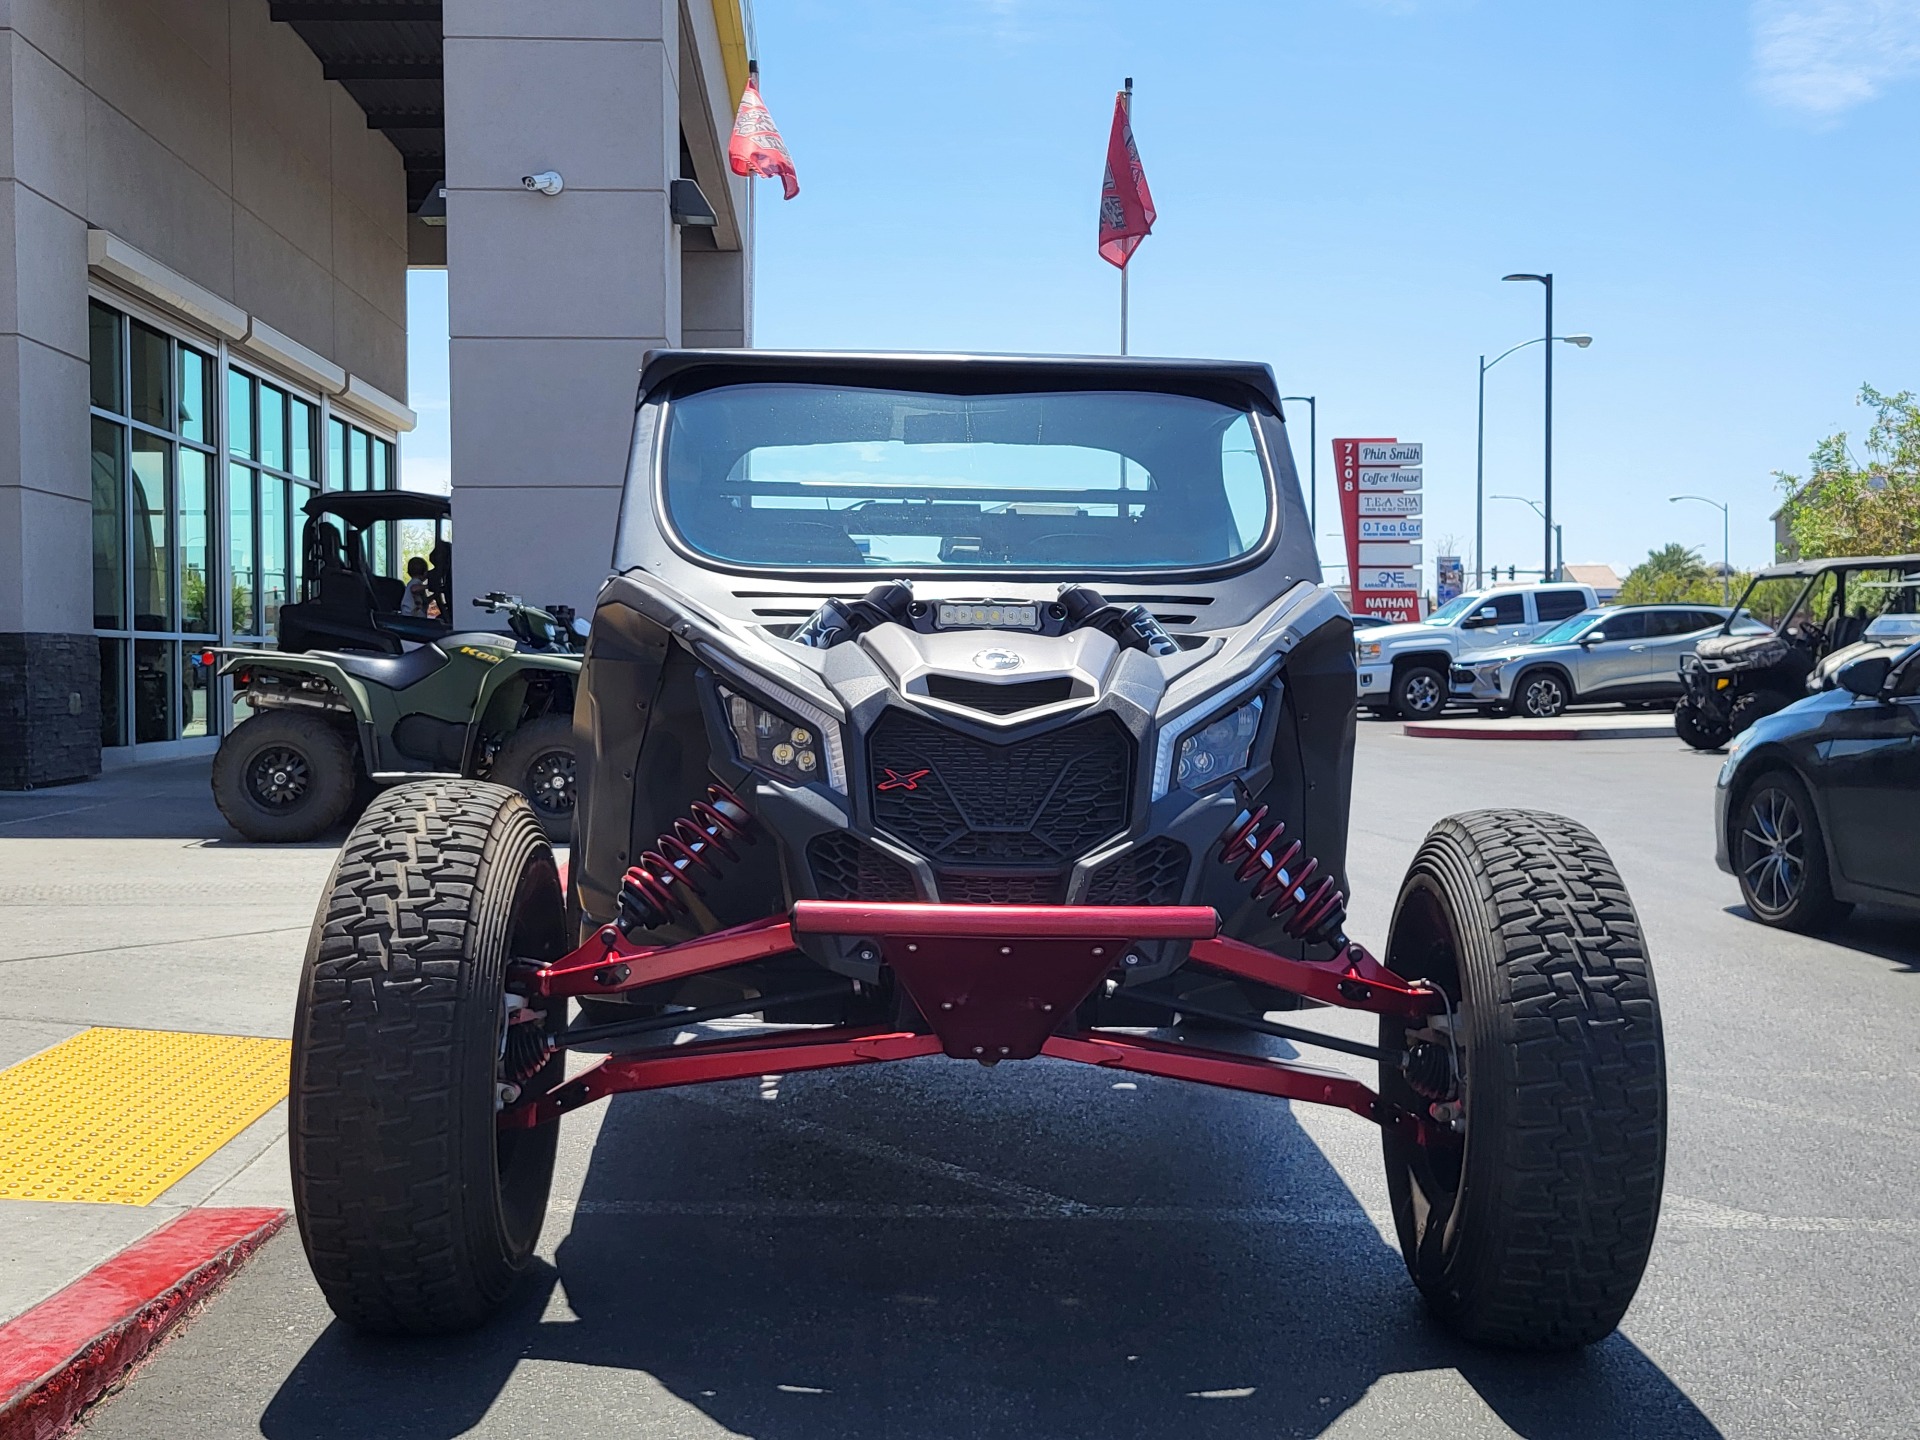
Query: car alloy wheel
{"points": [[278, 777], [1543, 697], [1773, 851], [1420, 693]]}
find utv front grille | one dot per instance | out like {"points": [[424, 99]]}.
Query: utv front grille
{"points": [[1031, 889], [847, 868], [1035, 803], [1008, 699], [1154, 874]]}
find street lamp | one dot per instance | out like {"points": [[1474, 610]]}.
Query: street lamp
{"points": [[1547, 486], [1559, 540], [1313, 458], [1480, 459], [1726, 566]]}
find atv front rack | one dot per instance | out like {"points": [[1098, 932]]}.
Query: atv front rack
{"points": [[993, 982]]}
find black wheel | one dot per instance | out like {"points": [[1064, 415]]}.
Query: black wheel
{"points": [[1528, 1224], [416, 1210], [1540, 694], [1780, 857], [1700, 728], [537, 760], [1756, 705], [283, 776], [1419, 692]]}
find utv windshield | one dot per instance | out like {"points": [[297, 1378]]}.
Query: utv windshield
{"points": [[828, 477]]}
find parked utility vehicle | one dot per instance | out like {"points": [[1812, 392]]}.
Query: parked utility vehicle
{"points": [[1404, 670], [328, 724], [977, 707]]}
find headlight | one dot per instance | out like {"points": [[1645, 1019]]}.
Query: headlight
{"points": [[1367, 649], [787, 749], [1218, 749]]}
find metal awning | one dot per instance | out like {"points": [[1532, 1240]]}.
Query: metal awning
{"points": [[387, 55]]}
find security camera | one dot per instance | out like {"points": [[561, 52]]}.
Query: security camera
{"points": [[547, 182]]}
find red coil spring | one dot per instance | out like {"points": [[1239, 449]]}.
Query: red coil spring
{"points": [[1309, 910], [650, 894]]}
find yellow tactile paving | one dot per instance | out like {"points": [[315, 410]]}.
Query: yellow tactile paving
{"points": [[120, 1115]]}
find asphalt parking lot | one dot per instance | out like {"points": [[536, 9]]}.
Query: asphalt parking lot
{"points": [[936, 1249]]}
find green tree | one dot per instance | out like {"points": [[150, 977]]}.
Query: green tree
{"points": [[1845, 507], [1673, 575]]}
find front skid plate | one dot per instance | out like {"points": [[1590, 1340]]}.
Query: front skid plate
{"points": [[993, 981]]}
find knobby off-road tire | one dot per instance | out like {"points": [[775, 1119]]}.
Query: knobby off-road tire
{"points": [[1700, 730], [537, 760], [283, 776], [416, 1211], [1532, 1231]]}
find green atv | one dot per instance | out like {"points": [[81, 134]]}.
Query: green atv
{"points": [[330, 725]]}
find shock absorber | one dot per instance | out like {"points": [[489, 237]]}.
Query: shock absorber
{"points": [[650, 894], [1313, 911]]}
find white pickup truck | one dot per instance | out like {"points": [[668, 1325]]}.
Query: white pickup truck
{"points": [[1403, 668]]}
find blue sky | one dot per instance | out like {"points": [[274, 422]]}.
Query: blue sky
{"points": [[1722, 189]]}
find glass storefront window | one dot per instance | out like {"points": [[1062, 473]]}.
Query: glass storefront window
{"points": [[382, 465], [152, 571], [152, 690], [363, 477], [197, 688], [195, 484], [273, 550], [109, 527], [149, 366], [113, 706], [336, 477], [273, 427], [300, 437], [103, 338], [239, 414], [196, 396], [240, 546]]}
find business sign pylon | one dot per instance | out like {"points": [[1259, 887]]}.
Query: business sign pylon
{"points": [[1380, 483]]}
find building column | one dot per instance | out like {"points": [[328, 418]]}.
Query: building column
{"points": [[49, 660], [554, 299]]}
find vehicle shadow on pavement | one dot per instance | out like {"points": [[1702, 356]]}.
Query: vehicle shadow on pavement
{"points": [[1876, 930], [943, 1251]]}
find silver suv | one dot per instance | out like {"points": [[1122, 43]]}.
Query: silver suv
{"points": [[1624, 653]]}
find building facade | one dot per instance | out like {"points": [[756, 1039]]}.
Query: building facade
{"points": [[207, 212]]}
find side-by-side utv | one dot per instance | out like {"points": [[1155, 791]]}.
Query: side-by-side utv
{"points": [[951, 709]]}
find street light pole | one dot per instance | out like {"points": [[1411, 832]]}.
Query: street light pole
{"points": [[1313, 459], [1546, 514], [1557, 541], [1726, 550], [1480, 452]]}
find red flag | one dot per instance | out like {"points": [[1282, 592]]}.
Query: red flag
{"points": [[756, 147], [1126, 205]]}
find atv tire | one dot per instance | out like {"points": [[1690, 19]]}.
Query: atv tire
{"points": [[1756, 705], [417, 1212], [1419, 692], [1700, 730], [537, 760], [1532, 1229], [283, 776]]}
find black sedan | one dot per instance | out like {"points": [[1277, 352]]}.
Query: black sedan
{"points": [[1816, 805]]}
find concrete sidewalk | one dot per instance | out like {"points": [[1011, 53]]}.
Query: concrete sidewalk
{"points": [[128, 905]]}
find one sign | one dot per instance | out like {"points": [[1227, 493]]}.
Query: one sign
{"points": [[1389, 502], [1390, 527], [1380, 479], [1376, 579], [1400, 557], [1449, 578], [1391, 479], [1392, 452]]}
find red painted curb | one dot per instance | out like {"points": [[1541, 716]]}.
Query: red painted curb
{"points": [[1453, 730], [67, 1351]]}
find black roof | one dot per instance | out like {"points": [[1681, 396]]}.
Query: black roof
{"points": [[360, 508], [1799, 569], [1232, 381]]}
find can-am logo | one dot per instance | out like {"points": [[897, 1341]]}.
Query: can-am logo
{"points": [[894, 780], [996, 660]]}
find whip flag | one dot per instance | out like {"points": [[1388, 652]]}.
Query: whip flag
{"points": [[1126, 205], [756, 147]]}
